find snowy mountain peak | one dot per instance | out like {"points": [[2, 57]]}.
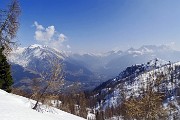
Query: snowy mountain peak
{"points": [[112, 52], [140, 51], [139, 68], [157, 62], [148, 49], [23, 56], [35, 46]]}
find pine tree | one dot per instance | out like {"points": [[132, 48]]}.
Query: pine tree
{"points": [[9, 25], [5, 74]]}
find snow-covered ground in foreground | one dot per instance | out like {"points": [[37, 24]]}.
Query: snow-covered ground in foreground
{"points": [[14, 107]]}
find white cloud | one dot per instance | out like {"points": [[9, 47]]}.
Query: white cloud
{"points": [[62, 37], [49, 36], [44, 34], [68, 46], [39, 27]]}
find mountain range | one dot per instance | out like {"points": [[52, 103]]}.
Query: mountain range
{"points": [[30, 62], [112, 62], [88, 69]]}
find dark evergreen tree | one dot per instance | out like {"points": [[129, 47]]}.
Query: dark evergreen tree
{"points": [[9, 25], [5, 74]]}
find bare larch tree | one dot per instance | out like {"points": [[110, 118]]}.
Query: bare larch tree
{"points": [[9, 24]]}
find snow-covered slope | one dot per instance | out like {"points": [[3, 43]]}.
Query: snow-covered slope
{"points": [[133, 79], [23, 56], [14, 107]]}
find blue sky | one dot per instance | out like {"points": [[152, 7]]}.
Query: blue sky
{"points": [[99, 25]]}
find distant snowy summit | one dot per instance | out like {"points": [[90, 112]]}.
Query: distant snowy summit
{"points": [[23, 56], [37, 45]]}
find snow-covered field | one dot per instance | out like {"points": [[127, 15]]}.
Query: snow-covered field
{"points": [[14, 107]]}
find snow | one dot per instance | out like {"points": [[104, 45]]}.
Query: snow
{"points": [[91, 116], [140, 51], [139, 81], [19, 50], [23, 56], [35, 45], [14, 107]]}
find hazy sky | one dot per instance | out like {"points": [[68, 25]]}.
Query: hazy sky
{"points": [[99, 25]]}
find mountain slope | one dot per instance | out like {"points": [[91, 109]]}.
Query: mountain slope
{"points": [[14, 107], [19, 73], [24, 56], [132, 72], [134, 79], [40, 59]]}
